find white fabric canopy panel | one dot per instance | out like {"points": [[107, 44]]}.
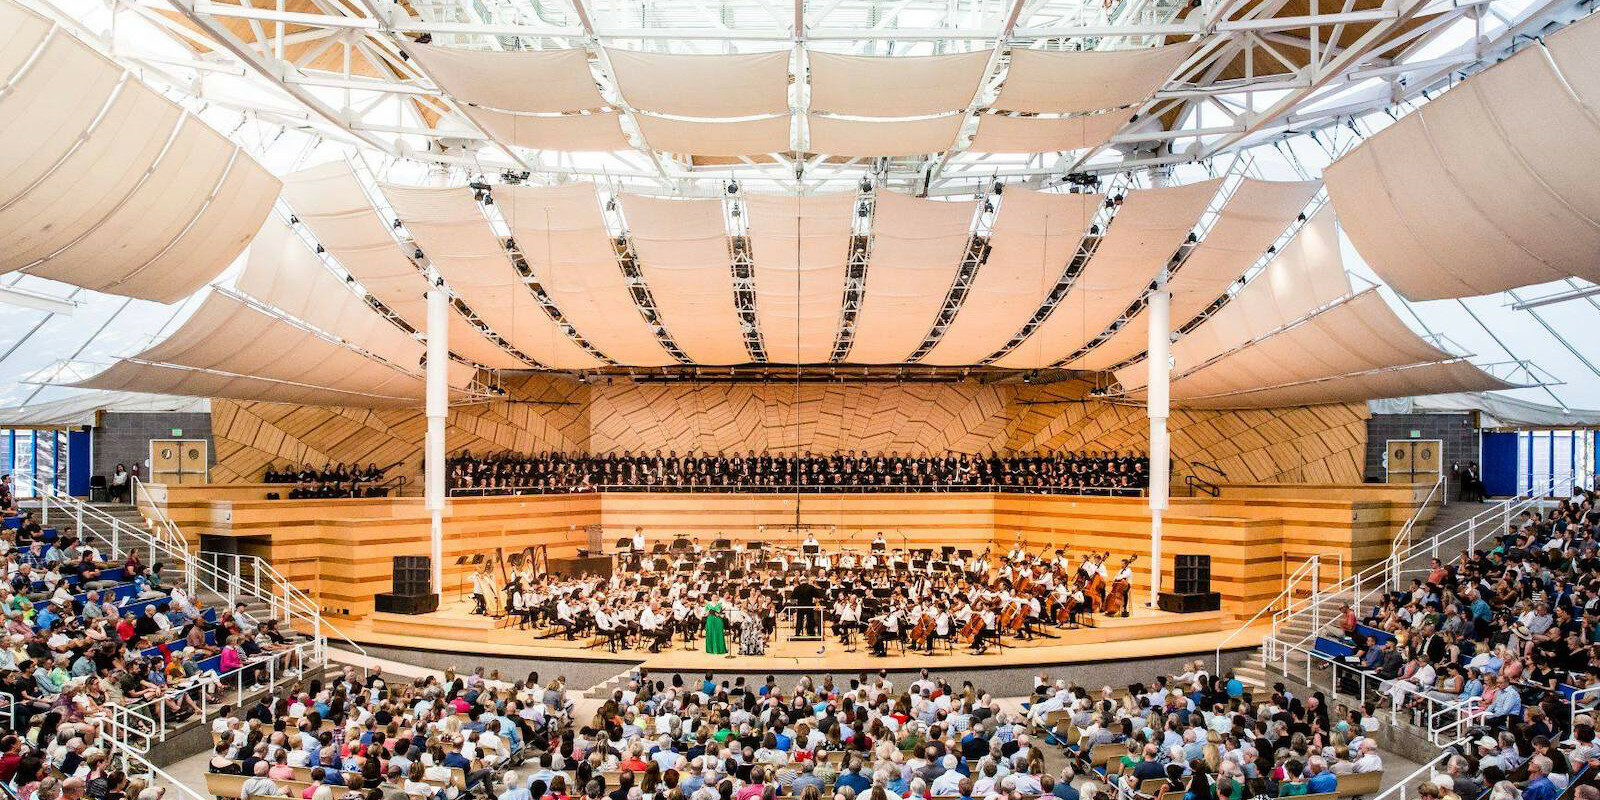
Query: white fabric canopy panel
{"points": [[599, 131], [749, 137], [1357, 335], [692, 85], [96, 188], [282, 272], [1307, 273], [1000, 133], [231, 336], [894, 86], [1144, 235], [563, 238], [517, 80], [1255, 215], [1034, 237], [458, 242], [917, 247], [882, 138], [1424, 379], [1478, 191], [800, 247], [136, 376], [1065, 81], [683, 252], [330, 201]]}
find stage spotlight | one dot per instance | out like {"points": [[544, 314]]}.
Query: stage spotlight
{"points": [[321, 249], [425, 38], [733, 187]]}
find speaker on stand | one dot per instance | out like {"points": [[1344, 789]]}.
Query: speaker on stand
{"points": [[1191, 587], [413, 588]]}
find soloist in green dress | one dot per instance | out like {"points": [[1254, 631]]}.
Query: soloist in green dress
{"points": [[716, 642]]}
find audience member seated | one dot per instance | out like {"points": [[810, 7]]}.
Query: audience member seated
{"points": [[1065, 473], [82, 633]]}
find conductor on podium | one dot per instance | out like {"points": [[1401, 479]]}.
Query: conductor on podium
{"points": [[808, 620]]}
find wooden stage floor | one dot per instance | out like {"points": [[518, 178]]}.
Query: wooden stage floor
{"points": [[1145, 633]]}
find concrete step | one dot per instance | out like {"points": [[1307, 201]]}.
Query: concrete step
{"points": [[603, 690]]}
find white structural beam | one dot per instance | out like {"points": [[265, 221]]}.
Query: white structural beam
{"points": [[1158, 407], [436, 408], [1321, 73], [271, 69], [38, 301]]}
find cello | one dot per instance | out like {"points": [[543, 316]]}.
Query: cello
{"points": [[874, 636], [970, 630], [922, 633]]}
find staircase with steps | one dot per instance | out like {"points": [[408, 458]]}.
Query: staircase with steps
{"points": [[602, 691], [216, 581]]}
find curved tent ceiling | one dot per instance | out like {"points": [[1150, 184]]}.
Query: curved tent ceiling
{"points": [[728, 226]]}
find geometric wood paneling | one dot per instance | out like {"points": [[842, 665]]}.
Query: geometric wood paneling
{"points": [[1315, 444]]}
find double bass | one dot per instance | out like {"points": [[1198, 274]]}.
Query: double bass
{"points": [[1117, 597]]}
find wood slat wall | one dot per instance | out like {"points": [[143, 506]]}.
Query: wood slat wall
{"points": [[1318, 444]]}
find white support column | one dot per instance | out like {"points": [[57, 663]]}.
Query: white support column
{"points": [[1159, 362], [438, 404]]}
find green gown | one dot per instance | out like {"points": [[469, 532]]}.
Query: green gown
{"points": [[716, 643]]}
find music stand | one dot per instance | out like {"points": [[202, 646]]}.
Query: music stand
{"points": [[721, 544], [477, 558]]}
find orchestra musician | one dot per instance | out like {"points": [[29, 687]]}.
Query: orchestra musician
{"points": [[483, 588], [1117, 597], [920, 600]]}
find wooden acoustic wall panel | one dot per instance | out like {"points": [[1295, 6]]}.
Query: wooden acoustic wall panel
{"points": [[1315, 444], [1305, 444], [539, 413], [904, 418]]}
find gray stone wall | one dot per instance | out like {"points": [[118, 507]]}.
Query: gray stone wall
{"points": [[1457, 431], [125, 437]]}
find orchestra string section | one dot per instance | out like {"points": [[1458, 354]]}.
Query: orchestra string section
{"points": [[739, 600], [1097, 472]]}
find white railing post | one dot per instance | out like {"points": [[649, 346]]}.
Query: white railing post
{"points": [[44, 504], [78, 527]]}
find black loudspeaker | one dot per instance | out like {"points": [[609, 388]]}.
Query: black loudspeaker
{"points": [[389, 603], [1175, 603], [1191, 575], [413, 575]]}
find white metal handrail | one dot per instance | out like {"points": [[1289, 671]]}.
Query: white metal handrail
{"points": [[1384, 575], [1404, 789], [160, 524], [281, 667], [132, 727], [232, 575], [1582, 701], [1403, 538], [1310, 570], [134, 762], [1441, 716], [222, 573]]}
